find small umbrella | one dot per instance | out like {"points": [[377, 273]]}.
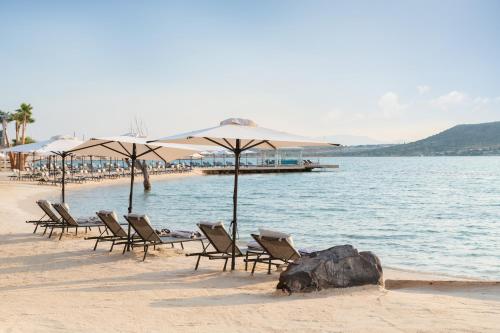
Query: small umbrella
{"points": [[133, 147], [238, 135], [58, 145]]}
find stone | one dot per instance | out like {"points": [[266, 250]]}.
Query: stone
{"points": [[337, 267]]}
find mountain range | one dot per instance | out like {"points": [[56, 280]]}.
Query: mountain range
{"points": [[460, 140]]}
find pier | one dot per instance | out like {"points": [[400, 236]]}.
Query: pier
{"points": [[267, 169]]}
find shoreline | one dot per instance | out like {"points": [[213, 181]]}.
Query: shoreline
{"points": [[401, 273], [41, 280]]}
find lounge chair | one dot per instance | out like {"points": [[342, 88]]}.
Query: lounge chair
{"points": [[70, 222], [278, 249], [49, 217], [146, 236], [221, 242], [110, 220]]}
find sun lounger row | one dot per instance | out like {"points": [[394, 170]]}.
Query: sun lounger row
{"points": [[268, 247]]}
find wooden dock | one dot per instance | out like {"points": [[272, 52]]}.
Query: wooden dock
{"points": [[267, 169]]}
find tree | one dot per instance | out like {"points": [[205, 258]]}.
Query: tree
{"points": [[5, 118], [25, 116], [17, 119]]}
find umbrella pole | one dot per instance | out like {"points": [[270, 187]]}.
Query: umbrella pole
{"points": [[63, 156], [237, 153], [133, 158], [91, 168]]}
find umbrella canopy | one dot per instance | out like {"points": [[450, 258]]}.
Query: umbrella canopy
{"points": [[54, 146], [238, 135], [247, 132], [134, 147], [123, 147]]}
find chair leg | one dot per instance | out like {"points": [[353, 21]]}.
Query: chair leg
{"points": [[51, 230], [253, 267], [45, 230], [76, 231], [96, 242], [225, 265], [182, 245], [124, 248], [197, 262], [269, 267], [246, 261], [146, 247], [36, 227], [112, 245], [62, 232]]}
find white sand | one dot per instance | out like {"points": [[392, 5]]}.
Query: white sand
{"points": [[50, 285]]}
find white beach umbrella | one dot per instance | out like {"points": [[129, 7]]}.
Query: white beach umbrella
{"points": [[238, 135], [57, 145], [133, 147]]}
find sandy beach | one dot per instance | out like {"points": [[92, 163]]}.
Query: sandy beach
{"points": [[48, 285]]}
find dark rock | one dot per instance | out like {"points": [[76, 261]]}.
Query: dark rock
{"points": [[337, 267]]}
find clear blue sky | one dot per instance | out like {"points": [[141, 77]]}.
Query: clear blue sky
{"points": [[392, 70]]}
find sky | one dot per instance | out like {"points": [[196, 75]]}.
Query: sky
{"points": [[394, 71]]}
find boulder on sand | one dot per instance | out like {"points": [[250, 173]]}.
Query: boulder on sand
{"points": [[337, 267]]}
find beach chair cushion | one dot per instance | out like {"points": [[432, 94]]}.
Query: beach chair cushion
{"points": [[87, 220], [276, 234], [253, 245], [278, 248], [142, 225], [218, 237], [46, 206], [213, 224], [80, 221], [110, 219], [183, 234]]}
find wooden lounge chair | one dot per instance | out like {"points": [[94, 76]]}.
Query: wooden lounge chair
{"points": [[110, 220], [70, 222], [277, 251], [49, 217], [146, 236], [221, 242]]}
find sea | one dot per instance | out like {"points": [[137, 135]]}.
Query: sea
{"points": [[428, 214]]}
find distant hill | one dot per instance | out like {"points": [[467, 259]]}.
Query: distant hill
{"points": [[352, 140], [460, 140]]}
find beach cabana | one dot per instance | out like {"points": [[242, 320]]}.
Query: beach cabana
{"points": [[239, 135], [133, 147], [59, 145]]}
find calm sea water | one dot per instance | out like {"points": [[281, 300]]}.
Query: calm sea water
{"points": [[435, 214]]}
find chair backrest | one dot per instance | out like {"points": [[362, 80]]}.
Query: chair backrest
{"points": [[63, 211], [218, 237], [279, 248], [46, 206], [143, 227], [110, 219]]}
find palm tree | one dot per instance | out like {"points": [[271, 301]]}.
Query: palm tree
{"points": [[17, 118], [25, 117], [5, 118]]}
